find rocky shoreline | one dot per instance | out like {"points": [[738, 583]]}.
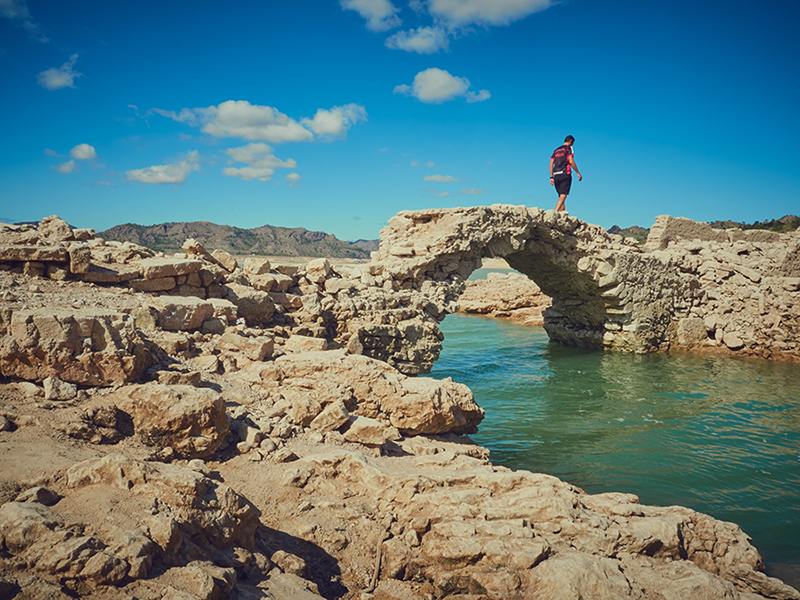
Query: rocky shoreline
{"points": [[185, 427]]}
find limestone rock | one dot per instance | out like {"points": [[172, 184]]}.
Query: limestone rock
{"points": [[83, 346], [175, 313], [54, 229], [369, 388], [225, 259], [192, 421], [255, 306], [56, 389]]}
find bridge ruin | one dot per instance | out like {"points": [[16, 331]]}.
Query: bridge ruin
{"points": [[689, 287]]}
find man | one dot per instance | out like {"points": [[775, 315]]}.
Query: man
{"points": [[561, 164]]}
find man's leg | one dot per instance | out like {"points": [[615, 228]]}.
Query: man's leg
{"points": [[560, 205]]}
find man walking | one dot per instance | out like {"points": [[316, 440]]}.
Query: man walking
{"points": [[561, 164]]}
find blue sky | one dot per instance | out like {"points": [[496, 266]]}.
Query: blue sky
{"points": [[334, 115]]}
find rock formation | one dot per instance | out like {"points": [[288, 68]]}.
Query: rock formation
{"points": [[689, 287], [186, 427], [505, 295]]}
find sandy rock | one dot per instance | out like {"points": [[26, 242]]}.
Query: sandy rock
{"points": [[412, 405], [192, 421], [158, 268], [332, 417], [84, 346], [302, 343], [225, 259], [255, 306], [54, 229], [256, 349], [174, 313], [256, 266], [369, 432], [55, 389]]}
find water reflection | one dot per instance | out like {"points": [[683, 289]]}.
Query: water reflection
{"points": [[719, 435]]}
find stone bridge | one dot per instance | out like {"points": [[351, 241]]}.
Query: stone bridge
{"points": [[690, 286]]}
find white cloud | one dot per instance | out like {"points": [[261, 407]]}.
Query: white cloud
{"points": [[435, 86], [336, 121], [252, 122], [261, 162], [381, 15], [441, 195], [175, 173], [50, 152], [430, 163], [59, 77], [17, 11], [104, 183], [294, 177], [67, 167], [240, 119], [83, 152], [472, 192], [460, 13], [425, 40], [440, 178], [415, 163]]}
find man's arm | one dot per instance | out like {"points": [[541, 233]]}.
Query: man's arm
{"points": [[552, 160], [574, 166]]}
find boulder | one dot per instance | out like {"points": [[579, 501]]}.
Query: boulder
{"points": [[157, 268], [192, 421], [84, 346], [226, 260], [181, 313], [54, 229], [255, 306], [307, 382]]}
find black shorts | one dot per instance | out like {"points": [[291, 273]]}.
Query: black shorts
{"points": [[563, 183]]}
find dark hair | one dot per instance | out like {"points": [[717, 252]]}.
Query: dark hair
{"points": [[569, 138]]}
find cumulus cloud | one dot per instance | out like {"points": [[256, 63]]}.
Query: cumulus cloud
{"points": [[59, 77], [293, 179], [381, 15], [472, 192], [336, 121], [67, 167], [17, 11], [83, 152], [256, 123], [260, 160], [435, 86], [51, 152], [461, 13], [440, 178], [174, 173], [425, 40]]}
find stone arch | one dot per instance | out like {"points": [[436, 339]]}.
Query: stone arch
{"points": [[690, 286], [591, 275]]}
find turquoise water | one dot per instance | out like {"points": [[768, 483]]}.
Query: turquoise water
{"points": [[721, 436]]}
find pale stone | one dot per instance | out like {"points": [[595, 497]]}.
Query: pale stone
{"points": [[156, 268], [55, 389], [190, 420], [225, 259], [255, 306], [302, 343]]}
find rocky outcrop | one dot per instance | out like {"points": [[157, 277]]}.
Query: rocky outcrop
{"points": [[85, 346], [689, 287], [304, 385], [505, 295]]}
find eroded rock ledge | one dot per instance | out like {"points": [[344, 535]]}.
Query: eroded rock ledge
{"points": [[245, 441]]}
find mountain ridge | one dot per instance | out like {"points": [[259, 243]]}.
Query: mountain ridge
{"points": [[266, 239]]}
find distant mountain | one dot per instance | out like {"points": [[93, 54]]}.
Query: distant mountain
{"points": [[787, 223], [635, 232], [368, 245], [267, 239]]}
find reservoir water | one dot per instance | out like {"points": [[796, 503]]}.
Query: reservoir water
{"points": [[721, 436]]}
